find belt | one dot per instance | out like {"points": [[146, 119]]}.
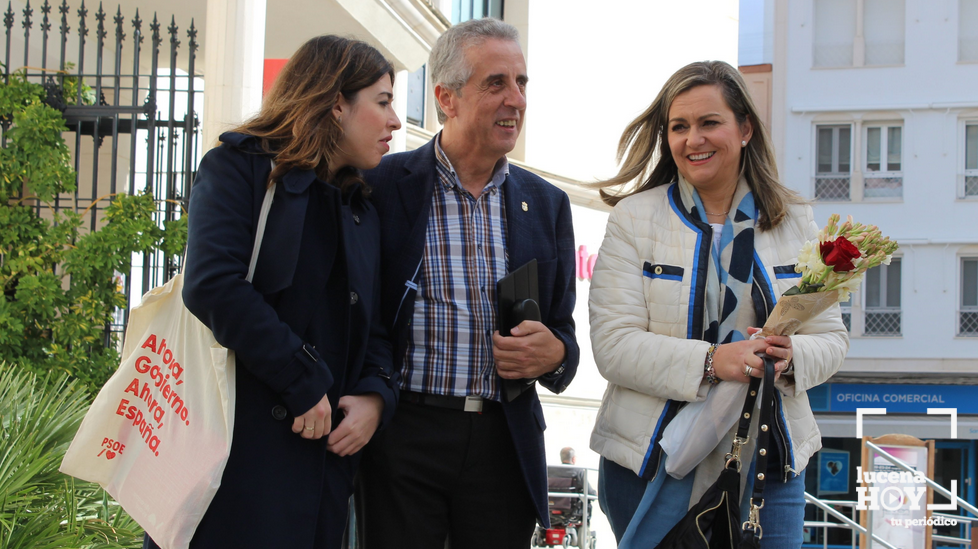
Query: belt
{"points": [[469, 403]]}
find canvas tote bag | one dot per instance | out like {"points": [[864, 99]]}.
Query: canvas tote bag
{"points": [[158, 434]]}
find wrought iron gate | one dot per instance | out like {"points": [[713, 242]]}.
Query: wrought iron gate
{"points": [[133, 126]]}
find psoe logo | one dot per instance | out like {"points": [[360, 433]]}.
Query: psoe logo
{"points": [[891, 498]]}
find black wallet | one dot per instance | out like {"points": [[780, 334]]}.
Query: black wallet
{"points": [[518, 297]]}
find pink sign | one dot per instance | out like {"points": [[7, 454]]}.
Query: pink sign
{"points": [[585, 263]]}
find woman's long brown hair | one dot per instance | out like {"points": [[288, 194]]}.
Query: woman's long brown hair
{"points": [[296, 123], [646, 161]]}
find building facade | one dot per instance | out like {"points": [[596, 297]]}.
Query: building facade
{"points": [[874, 115]]}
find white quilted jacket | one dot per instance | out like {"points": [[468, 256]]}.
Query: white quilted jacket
{"points": [[640, 313]]}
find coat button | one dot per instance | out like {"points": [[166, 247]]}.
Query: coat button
{"points": [[279, 412], [354, 298], [356, 219]]}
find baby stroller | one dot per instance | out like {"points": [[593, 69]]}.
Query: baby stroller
{"points": [[570, 514]]}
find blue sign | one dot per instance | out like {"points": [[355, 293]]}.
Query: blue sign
{"points": [[905, 399], [833, 472]]}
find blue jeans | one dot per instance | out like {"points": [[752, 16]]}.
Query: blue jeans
{"points": [[783, 515], [621, 492]]}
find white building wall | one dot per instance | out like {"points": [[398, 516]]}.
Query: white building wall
{"points": [[931, 94]]}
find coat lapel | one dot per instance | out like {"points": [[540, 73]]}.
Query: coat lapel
{"points": [[415, 191], [519, 230]]}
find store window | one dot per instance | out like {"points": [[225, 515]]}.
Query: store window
{"points": [[883, 315], [883, 168], [840, 42], [833, 162], [968, 315], [971, 160]]}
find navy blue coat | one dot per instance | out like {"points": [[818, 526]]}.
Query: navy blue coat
{"points": [[306, 326], [403, 186]]}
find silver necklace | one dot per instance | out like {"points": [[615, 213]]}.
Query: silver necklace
{"points": [[723, 213]]}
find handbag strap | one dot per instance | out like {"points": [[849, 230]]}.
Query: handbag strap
{"points": [[266, 206], [753, 522], [743, 426]]}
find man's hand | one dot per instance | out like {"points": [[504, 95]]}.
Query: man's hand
{"points": [[531, 351], [316, 422], [361, 417]]}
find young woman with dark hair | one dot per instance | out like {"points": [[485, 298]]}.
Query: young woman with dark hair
{"points": [[313, 376]]}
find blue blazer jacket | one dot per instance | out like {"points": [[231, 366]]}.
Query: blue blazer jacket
{"points": [[403, 186]]}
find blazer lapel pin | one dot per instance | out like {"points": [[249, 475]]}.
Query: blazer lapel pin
{"points": [[525, 207]]}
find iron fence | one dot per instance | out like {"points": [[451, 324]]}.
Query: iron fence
{"points": [[131, 116]]}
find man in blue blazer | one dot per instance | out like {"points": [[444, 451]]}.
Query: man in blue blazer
{"points": [[460, 460]]}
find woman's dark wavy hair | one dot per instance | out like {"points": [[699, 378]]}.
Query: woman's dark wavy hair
{"points": [[646, 161], [296, 123]]}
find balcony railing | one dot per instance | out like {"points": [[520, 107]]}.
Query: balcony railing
{"points": [[832, 187], [883, 322], [968, 322], [847, 318], [883, 185]]}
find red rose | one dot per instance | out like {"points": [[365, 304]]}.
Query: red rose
{"points": [[839, 254]]}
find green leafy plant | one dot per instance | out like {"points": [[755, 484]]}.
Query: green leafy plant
{"points": [[41, 507], [70, 89], [59, 279]]}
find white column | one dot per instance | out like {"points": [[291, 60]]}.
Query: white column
{"points": [[399, 142], [233, 64]]}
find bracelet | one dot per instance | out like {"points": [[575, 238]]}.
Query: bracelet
{"points": [[709, 373]]}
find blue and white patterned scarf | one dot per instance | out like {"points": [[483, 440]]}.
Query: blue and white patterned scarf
{"points": [[730, 278]]}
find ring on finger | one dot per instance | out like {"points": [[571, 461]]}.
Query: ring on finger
{"points": [[748, 370], [309, 428]]}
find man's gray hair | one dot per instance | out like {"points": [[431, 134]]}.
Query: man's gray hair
{"points": [[447, 62]]}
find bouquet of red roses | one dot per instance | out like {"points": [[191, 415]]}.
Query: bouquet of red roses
{"points": [[831, 266]]}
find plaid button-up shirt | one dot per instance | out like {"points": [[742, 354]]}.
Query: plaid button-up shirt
{"points": [[450, 351]]}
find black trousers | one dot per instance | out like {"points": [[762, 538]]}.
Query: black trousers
{"points": [[436, 473]]}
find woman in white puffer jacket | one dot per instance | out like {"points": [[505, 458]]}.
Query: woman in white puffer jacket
{"points": [[693, 260]]}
